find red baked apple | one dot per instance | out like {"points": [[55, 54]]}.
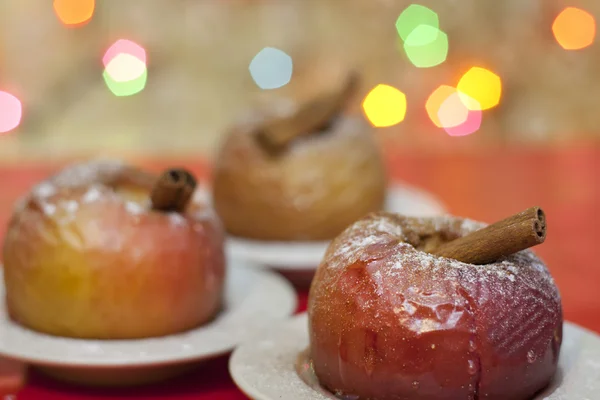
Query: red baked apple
{"points": [[86, 257], [389, 321]]}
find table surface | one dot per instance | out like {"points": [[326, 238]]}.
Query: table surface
{"points": [[487, 186]]}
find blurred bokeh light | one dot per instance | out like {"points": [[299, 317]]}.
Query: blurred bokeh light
{"points": [[126, 88], [414, 16], [452, 111], [456, 118], [271, 68], [125, 70], [74, 13], [11, 111], [435, 101], [124, 46], [125, 67], [426, 46], [482, 85], [212, 53], [574, 29], [385, 106], [447, 109]]}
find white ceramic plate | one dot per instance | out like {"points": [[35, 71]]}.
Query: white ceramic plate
{"points": [[306, 256], [254, 300], [265, 369]]}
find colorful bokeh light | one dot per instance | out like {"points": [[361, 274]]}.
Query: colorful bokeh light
{"points": [[414, 16], [11, 112], [125, 70], [426, 46], [128, 88], [447, 109], [456, 118], [74, 13], [124, 46], [385, 106], [470, 126], [482, 85], [435, 101], [125, 67], [574, 29], [271, 68]]}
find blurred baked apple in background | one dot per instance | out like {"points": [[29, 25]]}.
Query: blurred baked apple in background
{"points": [[311, 191]]}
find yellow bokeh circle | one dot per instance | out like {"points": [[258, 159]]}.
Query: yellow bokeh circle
{"points": [[481, 85], [385, 106]]}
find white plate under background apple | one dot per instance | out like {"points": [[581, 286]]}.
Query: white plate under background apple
{"points": [[254, 300], [306, 256], [266, 368]]}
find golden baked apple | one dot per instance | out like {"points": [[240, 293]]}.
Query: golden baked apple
{"points": [[311, 191], [85, 256]]}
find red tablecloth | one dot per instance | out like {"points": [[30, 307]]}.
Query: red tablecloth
{"points": [[486, 186]]}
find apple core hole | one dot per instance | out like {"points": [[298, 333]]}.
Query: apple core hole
{"points": [[427, 243], [175, 177]]}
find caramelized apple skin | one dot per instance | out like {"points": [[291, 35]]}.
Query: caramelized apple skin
{"points": [[519, 329], [389, 322], [86, 261]]}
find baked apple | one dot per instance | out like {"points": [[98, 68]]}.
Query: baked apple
{"points": [[85, 256], [389, 321], [311, 191]]}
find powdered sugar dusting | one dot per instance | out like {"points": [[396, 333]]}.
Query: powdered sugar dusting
{"points": [[82, 185], [408, 232], [92, 194], [133, 208], [177, 219], [71, 206], [83, 174], [44, 189], [468, 225], [48, 209]]}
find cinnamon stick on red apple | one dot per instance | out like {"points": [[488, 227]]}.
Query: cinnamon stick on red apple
{"points": [[275, 135], [518, 232], [173, 190]]}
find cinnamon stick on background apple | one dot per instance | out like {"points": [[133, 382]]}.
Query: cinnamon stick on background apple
{"points": [[173, 190], [275, 135], [513, 234]]}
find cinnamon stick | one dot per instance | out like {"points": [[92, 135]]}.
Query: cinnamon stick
{"points": [[173, 190], [513, 234], [275, 135]]}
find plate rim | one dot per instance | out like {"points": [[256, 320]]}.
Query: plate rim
{"points": [[285, 307], [238, 377]]}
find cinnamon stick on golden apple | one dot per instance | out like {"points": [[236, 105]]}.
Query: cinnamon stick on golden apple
{"points": [[275, 135], [513, 234], [173, 190]]}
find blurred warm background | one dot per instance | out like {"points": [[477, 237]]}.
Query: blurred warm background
{"points": [[198, 81]]}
